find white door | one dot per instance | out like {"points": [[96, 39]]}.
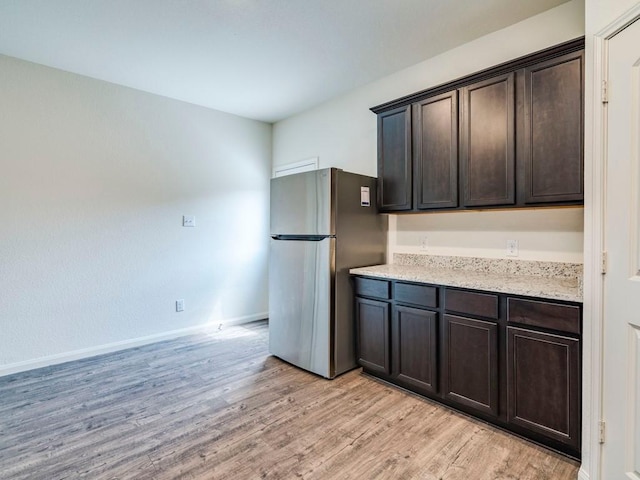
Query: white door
{"points": [[621, 347]]}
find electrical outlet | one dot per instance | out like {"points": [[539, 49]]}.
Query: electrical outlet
{"points": [[180, 305], [424, 243], [188, 221], [512, 248]]}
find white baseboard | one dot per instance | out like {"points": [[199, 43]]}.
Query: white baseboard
{"points": [[122, 345], [582, 475]]}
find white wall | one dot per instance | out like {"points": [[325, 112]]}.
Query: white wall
{"points": [[600, 13], [94, 181], [342, 133], [554, 235]]}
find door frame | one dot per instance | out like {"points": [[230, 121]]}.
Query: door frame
{"points": [[594, 258]]}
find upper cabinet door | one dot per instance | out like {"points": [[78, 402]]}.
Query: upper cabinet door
{"points": [[394, 160], [435, 154], [487, 142], [553, 124]]}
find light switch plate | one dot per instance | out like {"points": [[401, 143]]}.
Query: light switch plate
{"points": [[180, 305], [189, 221]]}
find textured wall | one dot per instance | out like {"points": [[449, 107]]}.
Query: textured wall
{"points": [[94, 181], [342, 133], [552, 234]]}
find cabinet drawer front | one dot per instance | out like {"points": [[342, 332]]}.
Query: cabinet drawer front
{"points": [[472, 303], [422, 295], [565, 318], [368, 287]]}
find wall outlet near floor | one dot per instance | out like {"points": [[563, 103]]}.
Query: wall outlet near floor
{"points": [[512, 248], [188, 221], [424, 243], [180, 305]]}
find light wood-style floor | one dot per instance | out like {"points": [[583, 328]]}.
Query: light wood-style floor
{"points": [[219, 407]]}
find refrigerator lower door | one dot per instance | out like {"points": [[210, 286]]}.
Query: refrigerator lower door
{"points": [[300, 303]]}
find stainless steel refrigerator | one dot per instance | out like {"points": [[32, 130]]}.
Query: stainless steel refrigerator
{"points": [[322, 224]]}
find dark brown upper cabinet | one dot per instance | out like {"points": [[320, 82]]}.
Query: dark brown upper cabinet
{"points": [[394, 159], [553, 130], [487, 142], [435, 151], [512, 361], [508, 136]]}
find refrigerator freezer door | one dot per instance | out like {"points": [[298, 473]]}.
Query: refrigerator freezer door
{"points": [[301, 204], [300, 299]]}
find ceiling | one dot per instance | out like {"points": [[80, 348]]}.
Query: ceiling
{"points": [[261, 59]]}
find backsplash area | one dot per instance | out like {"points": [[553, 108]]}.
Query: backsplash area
{"points": [[500, 266], [542, 234]]}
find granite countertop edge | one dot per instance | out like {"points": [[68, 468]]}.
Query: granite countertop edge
{"points": [[552, 288]]}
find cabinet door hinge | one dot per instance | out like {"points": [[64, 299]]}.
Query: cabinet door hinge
{"points": [[605, 91], [601, 430], [603, 263]]}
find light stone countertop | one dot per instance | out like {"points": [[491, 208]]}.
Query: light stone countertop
{"points": [[554, 288]]}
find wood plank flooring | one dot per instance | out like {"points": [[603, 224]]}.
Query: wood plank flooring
{"points": [[219, 407]]}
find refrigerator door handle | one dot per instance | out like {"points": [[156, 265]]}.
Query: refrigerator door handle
{"points": [[306, 238]]}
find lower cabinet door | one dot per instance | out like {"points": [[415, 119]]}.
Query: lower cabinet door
{"points": [[470, 363], [414, 347], [543, 384], [372, 330]]}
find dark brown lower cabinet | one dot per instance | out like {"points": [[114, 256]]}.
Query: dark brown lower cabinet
{"points": [[543, 384], [470, 363], [372, 330], [509, 360], [414, 347]]}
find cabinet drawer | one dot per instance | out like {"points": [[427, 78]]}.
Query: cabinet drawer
{"points": [[422, 295], [368, 287], [472, 303], [565, 318]]}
